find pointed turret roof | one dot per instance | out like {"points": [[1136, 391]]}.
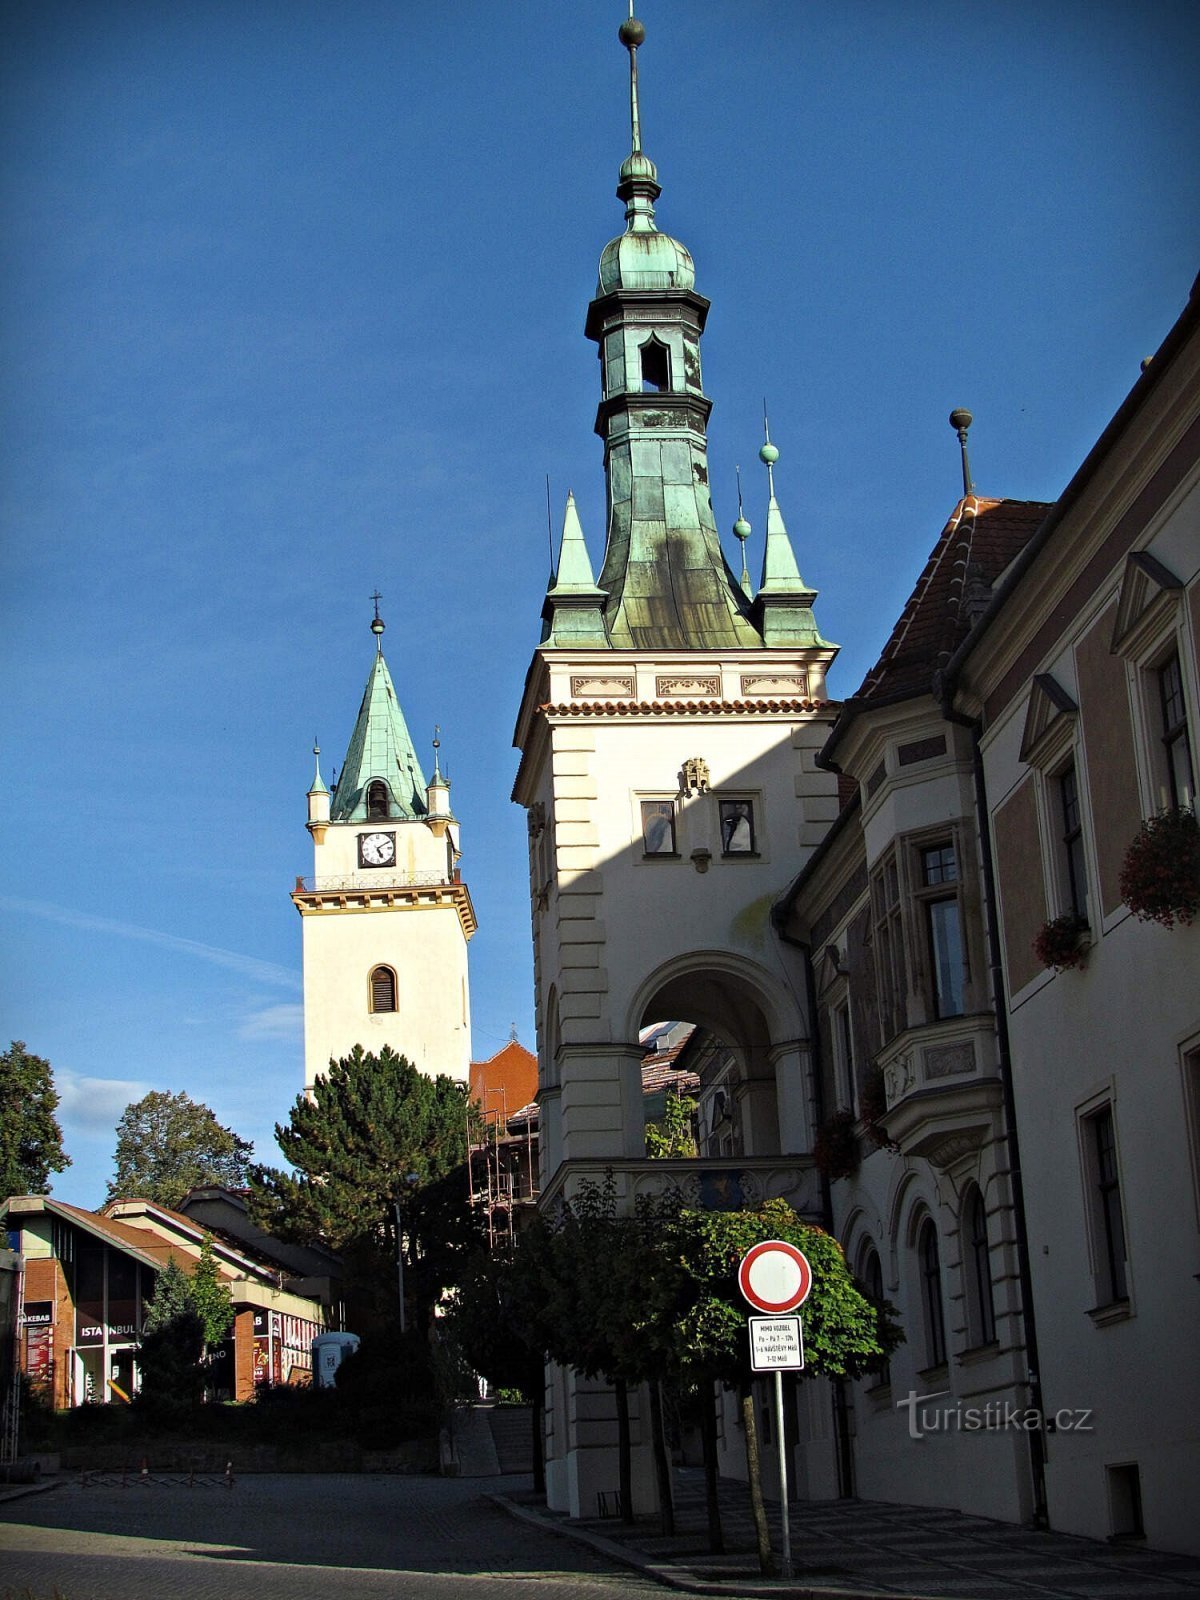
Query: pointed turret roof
{"points": [[380, 748], [574, 607]]}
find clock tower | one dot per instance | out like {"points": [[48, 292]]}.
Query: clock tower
{"points": [[385, 917]]}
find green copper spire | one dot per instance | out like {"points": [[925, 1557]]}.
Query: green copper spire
{"points": [[783, 604], [318, 783], [574, 608], [641, 257], [666, 582], [380, 749]]}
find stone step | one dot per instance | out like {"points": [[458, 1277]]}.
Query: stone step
{"points": [[511, 1427]]}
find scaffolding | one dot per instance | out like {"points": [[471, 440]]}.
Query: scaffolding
{"points": [[501, 1164]]}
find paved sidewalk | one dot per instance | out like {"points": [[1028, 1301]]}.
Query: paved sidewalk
{"points": [[851, 1547]]}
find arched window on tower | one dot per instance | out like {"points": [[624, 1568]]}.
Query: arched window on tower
{"points": [[383, 989], [656, 367], [377, 801]]}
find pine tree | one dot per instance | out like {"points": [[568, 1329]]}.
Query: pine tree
{"points": [[211, 1299], [375, 1135]]}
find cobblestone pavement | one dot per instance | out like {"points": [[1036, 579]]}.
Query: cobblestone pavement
{"points": [[303, 1537], [863, 1547]]}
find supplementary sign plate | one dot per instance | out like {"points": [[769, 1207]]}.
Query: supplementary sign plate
{"points": [[776, 1344]]}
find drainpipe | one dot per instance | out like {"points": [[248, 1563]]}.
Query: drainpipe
{"points": [[1037, 1444], [841, 1407]]}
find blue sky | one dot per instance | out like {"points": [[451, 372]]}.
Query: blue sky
{"points": [[293, 300]]}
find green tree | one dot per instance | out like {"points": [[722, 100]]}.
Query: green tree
{"points": [[171, 1347], [378, 1151], [170, 1143], [211, 1299], [30, 1138], [674, 1135]]}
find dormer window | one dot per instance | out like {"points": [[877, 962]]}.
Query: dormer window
{"points": [[656, 367], [377, 801]]}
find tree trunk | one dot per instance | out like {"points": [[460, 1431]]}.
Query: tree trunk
{"points": [[709, 1395], [539, 1462], [766, 1561], [662, 1465], [625, 1450]]}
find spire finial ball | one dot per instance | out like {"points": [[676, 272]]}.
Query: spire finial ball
{"points": [[631, 33], [768, 454], [960, 419]]}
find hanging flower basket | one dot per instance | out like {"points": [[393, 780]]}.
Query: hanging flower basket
{"points": [[1160, 880], [1061, 942], [836, 1149]]}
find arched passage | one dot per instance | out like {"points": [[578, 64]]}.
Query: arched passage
{"points": [[750, 1049]]}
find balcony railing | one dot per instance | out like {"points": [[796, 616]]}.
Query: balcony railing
{"points": [[360, 882]]}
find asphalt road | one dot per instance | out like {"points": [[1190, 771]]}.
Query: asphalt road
{"points": [[290, 1537]]}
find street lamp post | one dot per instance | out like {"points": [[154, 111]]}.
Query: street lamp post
{"points": [[411, 1179]]}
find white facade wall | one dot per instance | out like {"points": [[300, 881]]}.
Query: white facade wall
{"points": [[1123, 1034]]}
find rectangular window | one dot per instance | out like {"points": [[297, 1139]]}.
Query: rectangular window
{"points": [[1074, 866], [890, 975], [658, 827], [943, 930], [1108, 1225], [843, 1050], [1177, 744], [737, 828]]}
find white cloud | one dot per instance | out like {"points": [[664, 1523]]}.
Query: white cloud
{"points": [[249, 966], [273, 1022], [95, 1102]]}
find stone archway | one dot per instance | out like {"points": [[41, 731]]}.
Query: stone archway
{"points": [[752, 1014]]}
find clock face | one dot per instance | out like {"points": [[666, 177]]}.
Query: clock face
{"points": [[376, 849]]}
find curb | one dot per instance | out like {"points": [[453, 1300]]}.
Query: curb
{"points": [[682, 1578], [20, 1491]]}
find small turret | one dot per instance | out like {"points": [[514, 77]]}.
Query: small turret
{"points": [[318, 801], [438, 816]]}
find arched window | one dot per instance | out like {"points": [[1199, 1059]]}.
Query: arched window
{"points": [[931, 1294], [383, 989], [377, 801], [871, 1273], [656, 367], [981, 1307]]}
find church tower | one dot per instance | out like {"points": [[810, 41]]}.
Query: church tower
{"points": [[668, 732], [385, 916]]}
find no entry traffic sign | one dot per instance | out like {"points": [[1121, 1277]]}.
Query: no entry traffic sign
{"points": [[775, 1277]]}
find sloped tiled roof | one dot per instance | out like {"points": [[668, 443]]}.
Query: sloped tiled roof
{"points": [[973, 549]]}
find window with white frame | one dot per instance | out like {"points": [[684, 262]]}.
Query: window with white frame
{"points": [[1148, 632], [891, 978], [1106, 1221], [1173, 732], [658, 828], [938, 896], [737, 827], [1072, 863]]}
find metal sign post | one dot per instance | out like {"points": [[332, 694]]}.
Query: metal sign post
{"points": [[775, 1277]]}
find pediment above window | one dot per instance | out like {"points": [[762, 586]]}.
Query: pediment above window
{"points": [[1049, 721], [1150, 596]]}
